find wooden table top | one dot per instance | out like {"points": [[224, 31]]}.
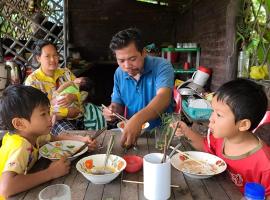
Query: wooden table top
{"points": [[218, 187]]}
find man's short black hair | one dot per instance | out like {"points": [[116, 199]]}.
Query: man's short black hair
{"points": [[19, 101], [246, 99], [125, 37]]}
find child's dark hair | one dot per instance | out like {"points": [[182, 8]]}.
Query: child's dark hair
{"points": [[125, 37], [19, 101], [39, 44], [246, 99], [87, 85]]}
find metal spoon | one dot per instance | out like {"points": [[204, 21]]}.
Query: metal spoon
{"points": [[109, 149]]}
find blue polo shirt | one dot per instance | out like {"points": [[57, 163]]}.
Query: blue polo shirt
{"points": [[135, 95]]}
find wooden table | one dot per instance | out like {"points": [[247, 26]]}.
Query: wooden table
{"points": [[218, 187]]}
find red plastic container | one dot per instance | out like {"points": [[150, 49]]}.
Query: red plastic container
{"points": [[134, 163], [171, 56]]}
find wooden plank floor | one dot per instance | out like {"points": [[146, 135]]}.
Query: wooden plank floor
{"points": [[218, 187]]}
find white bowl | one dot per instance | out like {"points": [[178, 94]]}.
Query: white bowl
{"points": [[52, 150], [121, 126], [114, 161], [219, 164]]}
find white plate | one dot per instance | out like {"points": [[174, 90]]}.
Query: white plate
{"points": [[198, 172], [121, 126], [53, 151], [116, 130]]}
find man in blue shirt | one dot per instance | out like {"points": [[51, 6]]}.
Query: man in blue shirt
{"points": [[142, 84]]}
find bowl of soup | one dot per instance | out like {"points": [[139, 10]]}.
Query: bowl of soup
{"points": [[121, 126], [93, 169]]}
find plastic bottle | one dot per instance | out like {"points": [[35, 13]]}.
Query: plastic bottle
{"points": [[254, 191], [243, 65]]}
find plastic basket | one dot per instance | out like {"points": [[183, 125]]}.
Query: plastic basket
{"points": [[196, 113]]}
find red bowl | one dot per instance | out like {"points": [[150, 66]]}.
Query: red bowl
{"points": [[134, 163]]}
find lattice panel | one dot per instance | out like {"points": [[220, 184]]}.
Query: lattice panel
{"points": [[25, 21]]}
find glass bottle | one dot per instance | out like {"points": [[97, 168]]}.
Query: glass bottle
{"points": [[243, 65]]}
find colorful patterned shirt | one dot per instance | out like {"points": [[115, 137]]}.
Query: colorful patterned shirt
{"points": [[49, 85], [18, 154]]}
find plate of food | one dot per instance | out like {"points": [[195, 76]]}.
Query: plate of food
{"points": [[55, 150], [207, 165]]}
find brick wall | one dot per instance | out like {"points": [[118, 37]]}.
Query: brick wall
{"points": [[211, 24], [93, 23]]}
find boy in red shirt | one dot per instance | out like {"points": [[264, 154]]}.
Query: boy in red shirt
{"points": [[238, 107]]}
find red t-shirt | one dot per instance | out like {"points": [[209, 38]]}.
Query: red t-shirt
{"points": [[251, 167]]}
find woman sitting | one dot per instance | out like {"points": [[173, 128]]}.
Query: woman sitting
{"points": [[48, 78]]}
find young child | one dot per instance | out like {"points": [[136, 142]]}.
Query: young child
{"points": [[238, 107], [83, 88], [70, 87], [25, 112]]}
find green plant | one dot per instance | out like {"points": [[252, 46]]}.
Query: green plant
{"points": [[253, 30], [163, 129]]}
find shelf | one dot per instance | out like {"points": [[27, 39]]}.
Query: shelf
{"points": [[181, 49], [182, 71], [169, 54]]}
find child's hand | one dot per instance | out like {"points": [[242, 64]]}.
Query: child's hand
{"points": [[59, 168], [53, 119], [92, 144], [66, 100], [182, 127], [73, 112]]}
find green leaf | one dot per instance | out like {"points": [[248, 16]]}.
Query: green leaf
{"points": [[260, 54], [267, 3], [267, 35], [252, 46]]}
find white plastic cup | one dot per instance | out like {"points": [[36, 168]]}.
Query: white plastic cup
{"points": [[201, 76], [55, 192], [157, 177]]}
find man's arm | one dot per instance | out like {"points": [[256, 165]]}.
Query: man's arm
{"points": [[156, 107], [153, 110]]}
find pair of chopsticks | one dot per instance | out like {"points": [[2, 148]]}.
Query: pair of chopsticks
{"points": [[115, 114], [98, 133], [188, 156], [139, 182], [167, 143], [109, 149], [78, 150]]}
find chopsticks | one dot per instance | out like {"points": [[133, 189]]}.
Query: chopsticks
{"points": [[98, 133], [172, 135], [78, 150], [167, 143], [164, 150], [116, 114], [139, 182], [188, 156], [109, 149], [174, 149]]}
